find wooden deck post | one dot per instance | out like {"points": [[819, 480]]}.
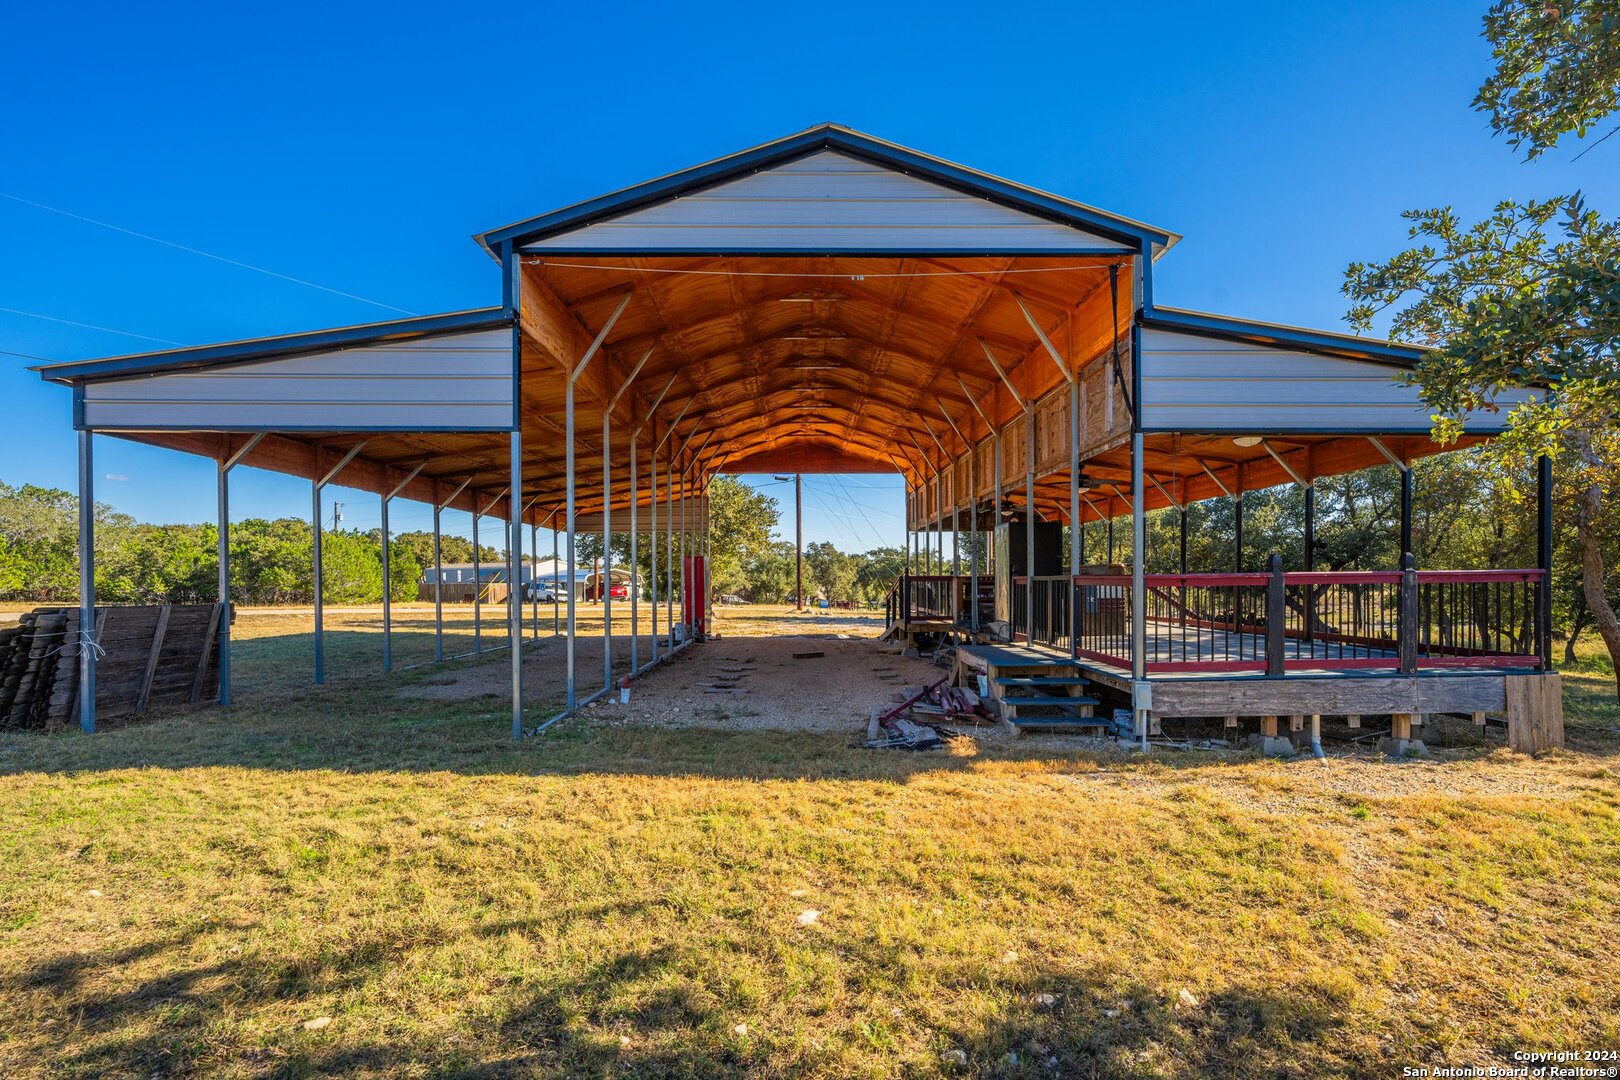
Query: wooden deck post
{"points": [[1276, 616], [1407, 627]]}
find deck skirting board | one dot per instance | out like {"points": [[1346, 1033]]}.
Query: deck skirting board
{"points": [[1330, 696]]}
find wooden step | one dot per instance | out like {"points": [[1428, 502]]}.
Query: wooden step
{"points": [[1010, 706], [1048, 702], [1041, 680], [1045, 723]]}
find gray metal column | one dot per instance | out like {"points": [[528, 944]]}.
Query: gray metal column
{"points": [[320, 629], [635, 567], [438, 588], [223, 538], [604, 584], [652, 541], [669, 549], [1138, 547], [1029, 525], [87, 582], [514, 600], [478, 582], [568, 471], [973, 535], [556, 565], [1074, 486], [387, 601], [534, 582], [995, 517]]}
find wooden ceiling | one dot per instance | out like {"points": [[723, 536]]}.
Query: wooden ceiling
{"points": [[814, 364], [795, 363]]}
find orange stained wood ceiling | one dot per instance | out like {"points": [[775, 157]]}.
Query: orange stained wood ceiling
{"points": [[811, 363]]}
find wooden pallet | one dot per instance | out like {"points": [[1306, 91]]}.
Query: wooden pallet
{"points": [[162, 654]]}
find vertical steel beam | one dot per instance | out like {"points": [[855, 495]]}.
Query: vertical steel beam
{"points": [[87, 582], [438, 589], [387, 600], [652, 538], [1074, 484], [478, 582], [534, 582], [1029, 525], [635, 551], [1406, 510], [1138, 568], [1544, 556], [568, 472], [1310, 526], [514, 600], [556, 567], [973, 534], [604, 584], [223, 539], [1237, 532], [315, 564]]}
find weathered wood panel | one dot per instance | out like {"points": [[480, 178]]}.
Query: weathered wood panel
{"points": [[1535, 712], [1328, 696]]}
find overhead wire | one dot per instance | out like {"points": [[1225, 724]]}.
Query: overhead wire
{"points": [[205, 254]]}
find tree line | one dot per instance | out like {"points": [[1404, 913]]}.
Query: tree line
{"points": [[1467, 514]]}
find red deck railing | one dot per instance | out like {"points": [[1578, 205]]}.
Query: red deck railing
{"points": [[1276, 623]]}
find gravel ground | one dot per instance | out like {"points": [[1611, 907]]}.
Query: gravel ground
{"points": [[748, 679]]}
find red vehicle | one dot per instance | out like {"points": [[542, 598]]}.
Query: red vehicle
{"points": [[618, 590]]}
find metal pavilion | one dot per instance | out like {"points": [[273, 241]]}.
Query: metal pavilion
{"points": [[825, 302]]}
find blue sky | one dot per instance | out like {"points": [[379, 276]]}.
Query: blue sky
{"points": [[360, 146]]}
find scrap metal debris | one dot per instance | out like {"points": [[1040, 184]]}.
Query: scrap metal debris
{"points": [[913, 723]]}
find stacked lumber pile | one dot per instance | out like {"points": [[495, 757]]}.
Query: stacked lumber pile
{"points": [[152, 655]]}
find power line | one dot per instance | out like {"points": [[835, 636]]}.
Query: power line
{"points": [[204, 254], [88, 326]]}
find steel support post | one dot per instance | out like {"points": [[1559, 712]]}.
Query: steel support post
{"points": [[1138, 569], [1544, 557], [315, 563], [438, 589], [652, 542], [635, 551], [534, 582], [604, 584], [995, 514], [669, 550], [1237, 533], [1029, 525], [973, 533], [568, 485], [223, 540], [387, 600], [87, 582], [514, 600], [1406, 509], [478, 582]]}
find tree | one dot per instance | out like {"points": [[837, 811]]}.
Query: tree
{"points": [[1557, 70], [1531, 294], [740, 524]]}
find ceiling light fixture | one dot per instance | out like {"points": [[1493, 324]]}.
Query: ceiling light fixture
{"points": [[1247, 440]]}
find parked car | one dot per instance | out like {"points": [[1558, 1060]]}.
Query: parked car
{"points": [[536, 592], [616, 591]]}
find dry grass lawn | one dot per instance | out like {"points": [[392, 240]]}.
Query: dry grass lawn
{"points": [[364, 882]]}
